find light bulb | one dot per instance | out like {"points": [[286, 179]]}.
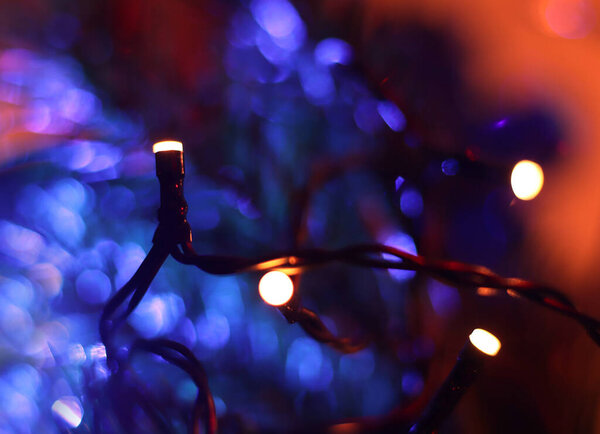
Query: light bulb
{"points": [[485, 342], [527, 179], [276, 288], [468, 366], [167, 145]]}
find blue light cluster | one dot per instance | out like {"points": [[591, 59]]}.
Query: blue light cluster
{"points": [[57, 268], [307, 107], [80, 219]]}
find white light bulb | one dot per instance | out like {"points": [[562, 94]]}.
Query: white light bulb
{"points": [[485, 342], [527, 179], [167, 145], [276, 288]]}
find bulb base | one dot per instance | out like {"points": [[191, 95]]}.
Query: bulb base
{"points": [[469, 364], [173, 227]]}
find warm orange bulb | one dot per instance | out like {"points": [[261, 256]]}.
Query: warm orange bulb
{"points": [[485, 342], [276, 288], [486, 292], [167, 145]]}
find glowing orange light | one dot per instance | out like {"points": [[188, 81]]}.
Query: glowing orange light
{"points": [[485, 342], [512, 293], [571, 19], [486, 292], [279, 262], [345, 428], [167, 145], [276, 288], [527, 179]]}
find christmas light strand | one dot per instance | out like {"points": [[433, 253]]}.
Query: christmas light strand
{"points": [[173, 237], [457, 274]]}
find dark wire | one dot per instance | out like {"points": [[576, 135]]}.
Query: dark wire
{"points": [[457, 274], [136, 287], [179, 355], [171, 351], [315, 328]]}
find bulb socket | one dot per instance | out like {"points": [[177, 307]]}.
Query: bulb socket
{"points": [[469, 364], [173, 227]]}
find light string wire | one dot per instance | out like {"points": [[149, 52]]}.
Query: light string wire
{"points": [[457, 274], [173, 238]]}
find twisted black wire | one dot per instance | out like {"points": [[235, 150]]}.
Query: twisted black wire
{"points": [[457, 274], [179, 355]]}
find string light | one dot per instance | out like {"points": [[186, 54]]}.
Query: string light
{"points": [[170, 171], [485, 342], [527, 179], [481, 346], [167, 145], [276, 288], [173, 237]]}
